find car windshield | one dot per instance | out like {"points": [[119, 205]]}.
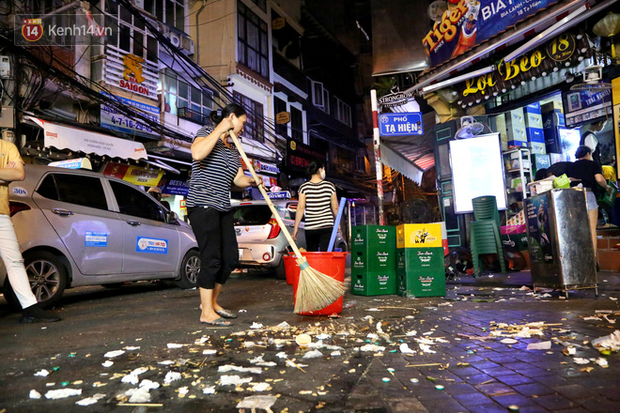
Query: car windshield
{"points": [[252, 215]]}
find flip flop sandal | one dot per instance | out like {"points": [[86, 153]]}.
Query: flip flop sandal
{"points": [[226, 313], [220, 322]]}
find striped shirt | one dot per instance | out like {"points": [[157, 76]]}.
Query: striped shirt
{"points": [[213, 176], [319, 213]]}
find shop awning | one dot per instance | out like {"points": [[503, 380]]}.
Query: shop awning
{"points": [[81, 140]]}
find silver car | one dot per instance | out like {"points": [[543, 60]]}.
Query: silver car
{"points": [[261, 240], [78, 227]]}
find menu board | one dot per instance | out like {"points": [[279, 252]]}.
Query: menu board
{"points": [[477, 170]]}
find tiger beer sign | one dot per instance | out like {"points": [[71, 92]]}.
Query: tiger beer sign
{"points": [[468, 23]]}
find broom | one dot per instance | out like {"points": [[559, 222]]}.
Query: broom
{"points": [[315, 290]]}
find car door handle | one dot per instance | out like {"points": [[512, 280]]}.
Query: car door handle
{"points": [[133, 223], [62, 212]]}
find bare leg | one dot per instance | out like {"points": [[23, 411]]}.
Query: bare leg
{"points": [[206, 303], [216, 294], [593, 217]]}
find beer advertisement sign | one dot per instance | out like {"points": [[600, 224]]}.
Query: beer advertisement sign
{"points": [[470, 22]]}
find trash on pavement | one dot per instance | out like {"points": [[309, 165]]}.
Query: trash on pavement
{"points": [[114, 353], [34, 394], [172, 376], [610, 342], [233, 380], [208, 390], [230, 367], [303, 340], [62, 393], [257, 402], [107, 363], [90, 400], [544, 345], [42, 373], [139, 395], [313, 354], [174, 345], [581, 360]]}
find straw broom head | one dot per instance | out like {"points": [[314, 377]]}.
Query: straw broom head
{"points": [[315, 289]]}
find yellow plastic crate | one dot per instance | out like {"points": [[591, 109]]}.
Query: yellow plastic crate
{"points": [[418, 236]]}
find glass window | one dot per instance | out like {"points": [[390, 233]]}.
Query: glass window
{"points": [[252, 215], [343, 112], [132, 201], [255, 127], [179, 94], [297, 131], [132, 37], [74, 189], [252, 44], [280, 106]]}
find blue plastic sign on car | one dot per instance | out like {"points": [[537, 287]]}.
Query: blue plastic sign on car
{"points": [[279, 195], [401, 124]]}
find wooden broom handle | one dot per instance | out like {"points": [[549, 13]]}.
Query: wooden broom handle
{"points": [[265, 195]]}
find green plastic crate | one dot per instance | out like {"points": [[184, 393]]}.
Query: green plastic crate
{"points": [[373, 283], [367, 259], [371, 238], [420, 272]]}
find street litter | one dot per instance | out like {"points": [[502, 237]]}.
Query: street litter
{"points": [[114, 353], [230, 367], [133, 376], [209, 352], [602, 362], [610, 342], [139, 395], [34, 394], [172, 376], [90, 400], [42, 373], [260, 386], [581, 360], [335, 353], [426, 348], [260, 362], [509, 341], [303, 340], [132, 348], [107, 363], [569, 351], [404, 348], [62, 393], [372, 347], [411, 333], [313, 354], [233, 380], [257, 402], [209, 390], [183, 391], [174, 345], [256, 326], [544, 345]]}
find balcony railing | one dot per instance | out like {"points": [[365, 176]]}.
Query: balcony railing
{"points": [[193, 116]]}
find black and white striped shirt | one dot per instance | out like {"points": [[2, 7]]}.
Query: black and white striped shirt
{"points": [[319, 213], [213, 176]]}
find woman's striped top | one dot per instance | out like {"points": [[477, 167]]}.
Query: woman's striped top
{"points": [[319, 213], [213, 176]]}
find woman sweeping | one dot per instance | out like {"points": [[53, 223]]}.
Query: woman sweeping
{"points": [[216, 167], [317, 198]]}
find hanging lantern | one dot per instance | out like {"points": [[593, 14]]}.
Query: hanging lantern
{"points": [[608, 26]]}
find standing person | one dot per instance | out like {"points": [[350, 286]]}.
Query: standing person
{"points": [[591, 175], [216, 167], [317, 198], [12, 169], [155, 192]]}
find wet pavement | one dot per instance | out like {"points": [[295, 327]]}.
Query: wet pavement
{"points": [[466, 352]]}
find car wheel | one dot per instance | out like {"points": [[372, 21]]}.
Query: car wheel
{"points": [[280, 271], [190, 267], [47, 276]]}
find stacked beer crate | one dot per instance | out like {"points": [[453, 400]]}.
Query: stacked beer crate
{"points": [[373, 260], [420, 260]]}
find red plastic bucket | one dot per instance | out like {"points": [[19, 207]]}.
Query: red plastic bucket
{"points": [[329, 263], [290, 266]]}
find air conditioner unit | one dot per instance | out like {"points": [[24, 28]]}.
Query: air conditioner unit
{"points": [[175, 40], [188, 46]]}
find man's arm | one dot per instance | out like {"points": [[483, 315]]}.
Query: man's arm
{"points": [[13, 171], [299, 213]]}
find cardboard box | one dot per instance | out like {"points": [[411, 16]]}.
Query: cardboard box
{"points": [[515, 125], [519, 144], [418, 235], [535, 135], [500, 127], [540, 161], [533, 116], [538, 148], [373, 283]]}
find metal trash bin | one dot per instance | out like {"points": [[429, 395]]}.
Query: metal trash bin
{"points": [[560, 242]]}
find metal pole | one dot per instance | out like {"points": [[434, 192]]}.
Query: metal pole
{"points": [[377, 145], [349, 214]]}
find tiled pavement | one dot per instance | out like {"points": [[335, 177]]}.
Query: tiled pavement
{"points": [[463, 369]]}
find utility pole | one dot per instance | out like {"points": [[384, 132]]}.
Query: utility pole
{"points": [[377, 145]]}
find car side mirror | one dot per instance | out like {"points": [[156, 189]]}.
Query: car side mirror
{"points": [[171, 217]]}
